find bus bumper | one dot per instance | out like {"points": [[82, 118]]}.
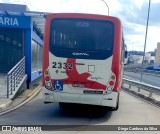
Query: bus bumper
{"points": [[109, 100]]}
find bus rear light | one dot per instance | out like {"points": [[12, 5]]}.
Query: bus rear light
{"points": [[47, 78], [113, 77], [111, 83], [46, 72], [109, 90], [48, 84]]}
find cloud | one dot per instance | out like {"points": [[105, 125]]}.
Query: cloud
{"points": [[134, 19], [132, 13]]}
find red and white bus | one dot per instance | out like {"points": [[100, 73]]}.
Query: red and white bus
{"points": [[82, 59]]}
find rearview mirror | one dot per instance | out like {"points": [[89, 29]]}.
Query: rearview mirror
{"points": [[125, 54]]}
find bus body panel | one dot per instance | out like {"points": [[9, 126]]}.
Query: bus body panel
{"points": [[83, 73], [108, 100], [88, 73]]}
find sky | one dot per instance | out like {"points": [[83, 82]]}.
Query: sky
{"points": [[132, 13]]}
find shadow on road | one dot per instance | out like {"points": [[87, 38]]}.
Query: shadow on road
{"points": [[85, 110], [85, 114]]}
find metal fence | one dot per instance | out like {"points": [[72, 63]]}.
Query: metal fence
{"points": [[3, 85], [143, 90], [146, 71], [15, 78], [151, 72]]}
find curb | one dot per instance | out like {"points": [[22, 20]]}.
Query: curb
{"points": [[3, 106], [30, 97], [30, 94]]}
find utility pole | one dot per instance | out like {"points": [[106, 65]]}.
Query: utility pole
{"points": [[106, 5], [145, 39]]}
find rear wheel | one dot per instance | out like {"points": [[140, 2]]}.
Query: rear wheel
{"points": [[65, 105], [62, 105]]}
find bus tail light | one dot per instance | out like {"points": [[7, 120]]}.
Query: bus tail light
{"points": [[47, 78], [109, 89], [46, 72], [111, 83]]}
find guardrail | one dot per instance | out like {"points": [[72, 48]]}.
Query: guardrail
{"points": [[149, 72], [138, 65], [153, 72], [138, 88], [15, 78]]}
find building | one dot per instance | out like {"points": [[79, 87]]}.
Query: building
{"points": [[137, 59], [21, 35], [149, 58], [157, 58]]}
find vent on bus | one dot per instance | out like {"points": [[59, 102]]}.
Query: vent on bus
{"points": [[47, 79], [111, 83]]}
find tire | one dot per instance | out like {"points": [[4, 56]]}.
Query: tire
{"points": [[65, 105], [62, 105]]}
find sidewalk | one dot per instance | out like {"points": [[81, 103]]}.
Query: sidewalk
{"points": [[7, 104], [3, 85]]}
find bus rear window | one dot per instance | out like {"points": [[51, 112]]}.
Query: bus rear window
{"points": [[81, 34]]}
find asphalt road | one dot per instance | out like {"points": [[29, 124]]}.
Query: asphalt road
{"points": [[132, 111], [149, 79]]}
